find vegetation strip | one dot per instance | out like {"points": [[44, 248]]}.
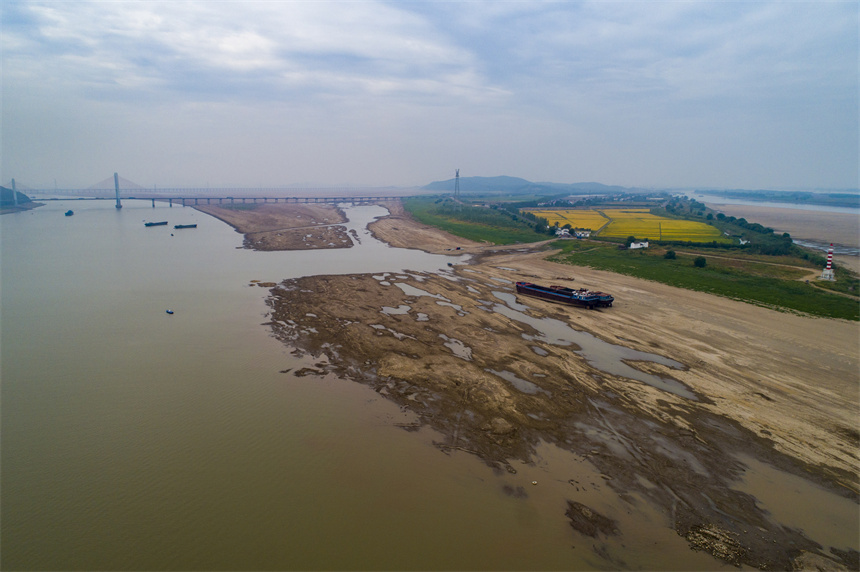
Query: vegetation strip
{"points": [[725, 256]]}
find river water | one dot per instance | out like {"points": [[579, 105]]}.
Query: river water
{"points": [[137, 439]]}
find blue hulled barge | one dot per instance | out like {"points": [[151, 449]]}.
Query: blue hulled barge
{"points": [[582, 298]]}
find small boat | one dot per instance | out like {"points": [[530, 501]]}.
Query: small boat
{"points": [[185, 226], [70, 212], [155, 223], [170, 311], [581, 297]]}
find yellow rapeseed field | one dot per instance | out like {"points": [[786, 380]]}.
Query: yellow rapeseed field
{"points": [[632, 222], [576, 218]]}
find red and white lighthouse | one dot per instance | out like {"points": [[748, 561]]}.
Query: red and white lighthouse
{"points": [[827, 274]]}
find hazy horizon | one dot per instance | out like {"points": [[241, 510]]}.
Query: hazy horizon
{"points": [[661, 95]]}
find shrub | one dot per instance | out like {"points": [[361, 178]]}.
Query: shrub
{"points": [[700, 262], [670, 255]]}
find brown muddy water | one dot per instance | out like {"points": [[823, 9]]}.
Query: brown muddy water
{"points": [[135, 439]]}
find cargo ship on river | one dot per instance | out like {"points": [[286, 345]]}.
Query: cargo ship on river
{"points": [[581, 297]]}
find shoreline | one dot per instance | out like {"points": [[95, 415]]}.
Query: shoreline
{"points": [[495, 387]]}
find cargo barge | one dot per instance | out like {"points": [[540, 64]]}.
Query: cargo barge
{"points": [[582, 298], [155, 223]]}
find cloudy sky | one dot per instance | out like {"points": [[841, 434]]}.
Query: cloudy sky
{"points": [[729, 94]]}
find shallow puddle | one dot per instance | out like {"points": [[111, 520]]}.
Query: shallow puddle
{"points": [[457, 347], [521, 384], [399, 310]]}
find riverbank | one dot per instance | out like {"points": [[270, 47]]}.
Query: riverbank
{"points": [[8, 209], [493, 375]]}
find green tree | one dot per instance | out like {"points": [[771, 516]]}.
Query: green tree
{"points": [[670, 255], [700, 262], [630, 240]]}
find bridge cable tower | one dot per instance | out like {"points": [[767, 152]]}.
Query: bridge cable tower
{"points": [[116, 186]]}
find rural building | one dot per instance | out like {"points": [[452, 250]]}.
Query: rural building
{"points": [[635, 245], [583, 233]]}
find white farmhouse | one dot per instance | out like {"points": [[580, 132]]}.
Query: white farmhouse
{"points": [[635, 245]]}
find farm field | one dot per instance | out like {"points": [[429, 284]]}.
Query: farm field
{"points": [[633, 222], [642, 224], [589, 219]]}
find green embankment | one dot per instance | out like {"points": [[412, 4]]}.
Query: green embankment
{"points": [[473, 223]]}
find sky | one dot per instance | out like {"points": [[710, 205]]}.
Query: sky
{"points": [[680, 94]]}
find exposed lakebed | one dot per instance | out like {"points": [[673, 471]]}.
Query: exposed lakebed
{"points": [[498, 376]]}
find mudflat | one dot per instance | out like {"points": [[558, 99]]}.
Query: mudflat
{"points": [[666, 393], [282, 226]]}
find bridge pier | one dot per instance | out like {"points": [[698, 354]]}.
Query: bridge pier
{"points": [[195, 201], [208, 201], [153, 203], [171, 202]]}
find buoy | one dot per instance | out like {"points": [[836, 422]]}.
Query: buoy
{"points": [[170, 311]]}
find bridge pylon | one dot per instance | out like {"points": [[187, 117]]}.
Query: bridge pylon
{"points": [[116, 186]]}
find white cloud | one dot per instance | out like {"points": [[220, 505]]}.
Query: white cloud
{"points": [[653, 93]]}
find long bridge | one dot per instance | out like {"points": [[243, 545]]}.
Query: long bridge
{"points": [[194, 201]]}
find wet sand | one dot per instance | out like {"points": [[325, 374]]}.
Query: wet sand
{"points": [[496, 375]]}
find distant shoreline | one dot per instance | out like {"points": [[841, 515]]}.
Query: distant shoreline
{"points": [[801, 199]]}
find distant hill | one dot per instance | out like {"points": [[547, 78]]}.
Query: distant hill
{"points": [[8, 199], [504, 184]]}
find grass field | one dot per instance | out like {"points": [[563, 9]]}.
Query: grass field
{"points": [[632, 222], [478, 224], [739, 277]]}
